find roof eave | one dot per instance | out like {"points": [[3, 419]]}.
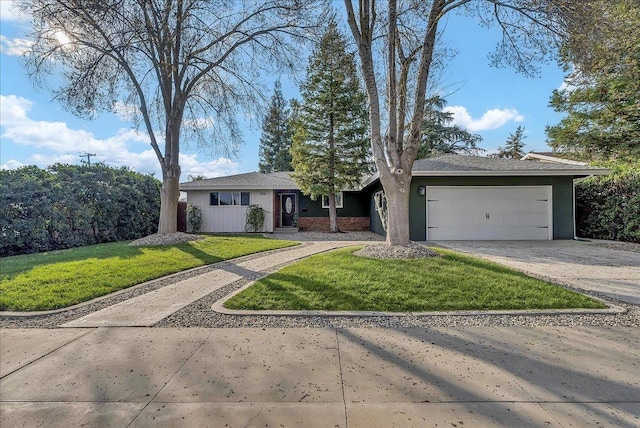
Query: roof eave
{"points": [[570, 172], [239, 187]]}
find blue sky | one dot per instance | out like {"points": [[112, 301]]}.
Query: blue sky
{"points": [[488, 101]]}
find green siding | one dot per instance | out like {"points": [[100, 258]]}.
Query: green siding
{"points": [[356, 204], [375, 222], [562, 190]]}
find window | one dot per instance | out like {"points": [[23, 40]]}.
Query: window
{"points": [[339, 201], [230, 198]]}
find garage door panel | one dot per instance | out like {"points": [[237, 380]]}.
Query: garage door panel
{"points": [[488, 213]]}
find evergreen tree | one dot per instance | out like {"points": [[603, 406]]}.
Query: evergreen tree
{"points": [[439, 136], [602, 97], [275, 142], [513, 148], [331, 144]]}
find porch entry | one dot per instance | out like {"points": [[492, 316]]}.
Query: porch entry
{"points": [[287, 209]]}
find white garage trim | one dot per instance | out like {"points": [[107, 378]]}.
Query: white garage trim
{"points": [[489, 213]]}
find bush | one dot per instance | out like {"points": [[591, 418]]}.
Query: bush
{"points": [[194, 218], [68, 206], [609, 207], [255, 218]]}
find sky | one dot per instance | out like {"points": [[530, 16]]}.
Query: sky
{"points": [[34, 130]]}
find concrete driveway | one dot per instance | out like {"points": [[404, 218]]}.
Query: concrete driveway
{"points": [[584, 264]]}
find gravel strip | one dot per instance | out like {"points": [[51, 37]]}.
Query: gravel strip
{"points": [[199, 313]]}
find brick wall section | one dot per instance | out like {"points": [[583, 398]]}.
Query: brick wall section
{"points": [[346, 224]]}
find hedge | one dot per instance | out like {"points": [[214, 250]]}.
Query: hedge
{"points": [[609, 207], [67, 206]]}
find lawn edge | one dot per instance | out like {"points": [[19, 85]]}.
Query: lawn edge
{"points": [[219, 308]]}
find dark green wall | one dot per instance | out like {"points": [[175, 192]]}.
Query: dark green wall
{"points": [[562, 191], [356, 204], [376, 223]]}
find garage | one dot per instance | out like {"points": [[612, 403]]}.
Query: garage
{"points": [[489, 213]]}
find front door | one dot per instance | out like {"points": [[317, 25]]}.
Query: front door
{"points": [[287, 209]]}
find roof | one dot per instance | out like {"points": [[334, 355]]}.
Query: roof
{"points": [[550, 157], [247, 181], [457, 165], [440, 166]]}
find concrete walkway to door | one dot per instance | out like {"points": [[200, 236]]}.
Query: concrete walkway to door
{"points": [[582, 264]]}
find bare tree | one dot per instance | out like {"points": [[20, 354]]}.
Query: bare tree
{"points": [[407, 31], [189, 66]]}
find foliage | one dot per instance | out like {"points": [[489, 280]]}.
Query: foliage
{"points": [[440, 136], [63, 278], [330, 144], [396, 81], [609, 207], [69, 205], [194, 218], [513, 148], [602, 94], [277, 132], [342, 281], [189, 67], [255, 218]]}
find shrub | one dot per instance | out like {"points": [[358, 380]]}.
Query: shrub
{"points": [[255, 219], [194, 218], [609, 207], [67, 206]]}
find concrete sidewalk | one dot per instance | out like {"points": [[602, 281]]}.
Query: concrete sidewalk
{"points": [[467, 377], [147, 309]]}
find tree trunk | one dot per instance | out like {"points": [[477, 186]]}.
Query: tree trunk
{"points": [[397, 192], [333, 215], [169, 195]]}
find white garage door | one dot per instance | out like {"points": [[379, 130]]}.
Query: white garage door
{"points": [[461, 213]]}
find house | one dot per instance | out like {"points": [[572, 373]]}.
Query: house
{"points": [[453, 197], [224, 201]]}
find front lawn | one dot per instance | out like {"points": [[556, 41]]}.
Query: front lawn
{"points": [[59, 279], [342, 281]]}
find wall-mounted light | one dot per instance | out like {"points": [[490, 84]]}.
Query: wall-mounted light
{"points": [[422, 190]]}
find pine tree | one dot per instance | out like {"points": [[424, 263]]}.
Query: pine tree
{"points": [[440, 136], [513, 148], [330, 148], [275, 142]]}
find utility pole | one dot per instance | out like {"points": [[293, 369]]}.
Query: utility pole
{"points": [[88, 156]]}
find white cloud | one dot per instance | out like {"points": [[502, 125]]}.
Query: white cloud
{"points": [[14, 47], [215, 168], [491, 119], [9, 12], [12, 164], [67, 144]]}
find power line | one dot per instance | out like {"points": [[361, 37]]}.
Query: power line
{"points": [[88, 156]]}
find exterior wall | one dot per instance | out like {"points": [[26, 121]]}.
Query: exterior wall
{"points": [[346, 224], [376, 223], [354, 216], [356, 204], [230, 218], [562, 203]]}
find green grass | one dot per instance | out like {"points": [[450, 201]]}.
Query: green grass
{"points": [[63, 278], [342, 281]]}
